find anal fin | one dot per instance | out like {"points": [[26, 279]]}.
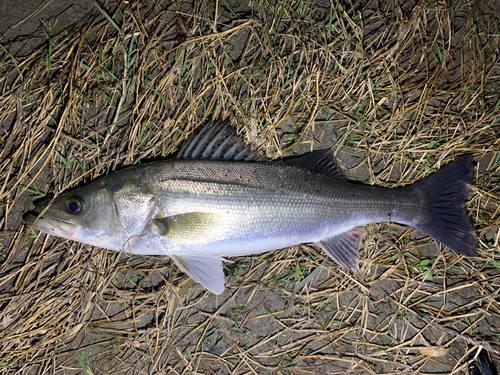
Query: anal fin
{"points": [[203, 268], [343, 248]]}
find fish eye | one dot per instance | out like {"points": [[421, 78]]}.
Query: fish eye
{"points": [[74, 205]]}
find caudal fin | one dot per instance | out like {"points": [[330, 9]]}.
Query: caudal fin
{"points": [[447, 221]]}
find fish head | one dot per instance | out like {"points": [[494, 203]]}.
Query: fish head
{"points": [[85, 215]]}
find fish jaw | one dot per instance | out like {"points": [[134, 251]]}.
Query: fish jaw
{"points": [[74, 232], [50, 226]]}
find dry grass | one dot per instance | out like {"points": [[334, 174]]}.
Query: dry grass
{"points": [[397, 90]]}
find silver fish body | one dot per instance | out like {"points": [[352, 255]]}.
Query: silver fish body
{"points": [[253, 207], [198, 210]]}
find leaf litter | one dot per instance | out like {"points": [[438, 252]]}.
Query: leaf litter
{"points": [[396, 89]]}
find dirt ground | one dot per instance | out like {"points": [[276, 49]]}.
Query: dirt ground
{"points": [[397, 89]]}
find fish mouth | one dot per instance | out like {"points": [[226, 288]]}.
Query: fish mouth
{"points": [[30, 218], [50, 225]]}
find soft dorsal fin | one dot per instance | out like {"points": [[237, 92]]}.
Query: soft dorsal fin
{"points": [[218, 141], [319, 161]]}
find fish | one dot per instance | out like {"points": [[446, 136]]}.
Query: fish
{"points": [[217, 198]]}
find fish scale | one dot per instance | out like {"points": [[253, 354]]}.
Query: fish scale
{"points": [[219, 199], [286, 202]]}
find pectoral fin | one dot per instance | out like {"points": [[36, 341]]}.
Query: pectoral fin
{"points": [[343, 248], [187, 228], [204, 269]]}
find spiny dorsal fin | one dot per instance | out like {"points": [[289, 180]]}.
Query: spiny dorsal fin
{"points": [[320, 161], [218, 141], [343, 248]]}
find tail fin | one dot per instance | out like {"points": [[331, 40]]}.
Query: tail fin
{"points": [[447, 221]]}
